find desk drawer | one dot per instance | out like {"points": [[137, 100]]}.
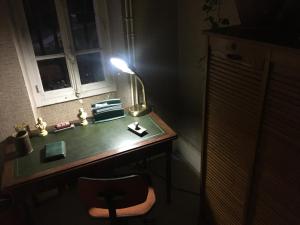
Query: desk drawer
{"points": [[249, 55]]}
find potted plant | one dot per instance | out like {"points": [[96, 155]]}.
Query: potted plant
{"points": [[212, 10]]}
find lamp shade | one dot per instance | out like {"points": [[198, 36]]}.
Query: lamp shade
{"points": [[138, 108], [121, 65]]}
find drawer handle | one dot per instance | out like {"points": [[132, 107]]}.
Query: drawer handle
{"points": [[234, 57]]}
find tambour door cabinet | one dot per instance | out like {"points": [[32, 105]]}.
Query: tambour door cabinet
{"points": [[276, 184], [251, 156]]}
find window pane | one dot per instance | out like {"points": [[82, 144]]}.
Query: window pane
{"points": [[83, 26], [43, 26], [54, 74], [90, 68]]}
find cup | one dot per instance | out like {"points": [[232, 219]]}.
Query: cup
{"points": [[22, 142]]}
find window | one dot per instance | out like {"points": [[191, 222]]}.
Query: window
{"points": [[65, 47]]}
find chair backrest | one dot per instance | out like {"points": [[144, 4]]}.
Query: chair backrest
{"points": [[113, 193]]}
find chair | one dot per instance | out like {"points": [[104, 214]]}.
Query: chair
{"points": [[114, 198]]}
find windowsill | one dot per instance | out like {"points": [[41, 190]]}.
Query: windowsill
{"points": [[71, 97]]}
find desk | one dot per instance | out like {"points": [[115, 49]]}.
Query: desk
{"points": [[107, 143]]}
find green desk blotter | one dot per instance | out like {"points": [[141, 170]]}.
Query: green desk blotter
{"points": [[84, 142], [55, 151]]}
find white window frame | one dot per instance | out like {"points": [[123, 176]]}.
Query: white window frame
{"points": [[28, 59]]}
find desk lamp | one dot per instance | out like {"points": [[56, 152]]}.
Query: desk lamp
{"points": [[138, 109]]}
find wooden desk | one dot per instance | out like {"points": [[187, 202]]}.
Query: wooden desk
{"points": [[107, 144]]}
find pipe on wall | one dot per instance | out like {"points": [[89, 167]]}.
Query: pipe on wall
{"points": [[130, 39]]}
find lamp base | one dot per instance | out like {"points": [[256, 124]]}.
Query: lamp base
{"points": [[138, 110]]}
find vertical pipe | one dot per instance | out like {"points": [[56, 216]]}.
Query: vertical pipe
{"points": [[132, 40], [131, 47], [128, 46]]}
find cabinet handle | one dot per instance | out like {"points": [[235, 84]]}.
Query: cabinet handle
{"points": [[234, 57]]}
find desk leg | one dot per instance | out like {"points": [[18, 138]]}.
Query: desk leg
{"points": [[28, 208], [169, 172]]}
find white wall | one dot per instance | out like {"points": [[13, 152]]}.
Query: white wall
{"points": [[192, 51], [14, 100], [155, 25]]}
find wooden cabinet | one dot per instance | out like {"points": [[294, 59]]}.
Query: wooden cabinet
{"points": [[251, 160], [276, 186]]}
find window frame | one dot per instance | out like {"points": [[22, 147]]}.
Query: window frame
{"points": [[28, 60]]}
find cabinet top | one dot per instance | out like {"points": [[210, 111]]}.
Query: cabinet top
{"points": [[276, 38]]}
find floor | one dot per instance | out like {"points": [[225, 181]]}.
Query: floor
{"points": [[67, 208]]}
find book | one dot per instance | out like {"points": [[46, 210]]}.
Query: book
{"points": [[55, 151], [107, 110], [109, 115], [106, 103]]}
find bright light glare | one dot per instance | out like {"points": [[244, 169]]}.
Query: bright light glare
{"points": [[121, 65]]}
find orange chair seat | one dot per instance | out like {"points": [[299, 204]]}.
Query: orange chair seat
{"points": [[136, 210]]}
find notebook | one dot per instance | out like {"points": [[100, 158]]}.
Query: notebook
{"points": [[55, 151]]}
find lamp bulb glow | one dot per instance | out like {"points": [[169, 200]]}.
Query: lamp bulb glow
{"points": [[121, 65]]}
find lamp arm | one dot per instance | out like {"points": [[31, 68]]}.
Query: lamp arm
{"points": [[143, 87]]}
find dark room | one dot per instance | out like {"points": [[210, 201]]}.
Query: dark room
{"points": [[150, 112]]}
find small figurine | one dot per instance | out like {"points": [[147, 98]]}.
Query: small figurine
{"points": [[82, 115], [41, 126]]}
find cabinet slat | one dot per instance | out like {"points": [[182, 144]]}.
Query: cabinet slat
{"points": [[234, 76], [224, 210], [278, 183], [233, 97], [235, 68], [248, 90], [233, 103]]}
